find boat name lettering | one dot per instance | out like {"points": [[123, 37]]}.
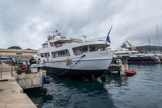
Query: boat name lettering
{"points": [[105, 53]]}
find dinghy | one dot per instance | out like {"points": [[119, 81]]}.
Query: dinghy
{"points": [[130, 72]]}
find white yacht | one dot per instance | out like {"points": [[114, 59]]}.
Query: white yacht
{"points": [[135, 57], [67, 57], [125, 52]]}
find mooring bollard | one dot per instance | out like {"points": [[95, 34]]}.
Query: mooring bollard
{"points": [[118, 72]]}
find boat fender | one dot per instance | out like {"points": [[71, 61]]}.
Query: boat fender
{"points": [[67, 62]]}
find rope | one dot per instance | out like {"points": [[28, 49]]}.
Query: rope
{"points": [[69, 68]]}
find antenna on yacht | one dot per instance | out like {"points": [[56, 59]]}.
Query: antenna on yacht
{"points": [[53, 32], [85, 37], [149, 43], [57, 33], [158, 40]]}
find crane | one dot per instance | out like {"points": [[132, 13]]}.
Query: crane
{"points": [[132, 47]]}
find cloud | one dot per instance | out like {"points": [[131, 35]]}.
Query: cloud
{"points": [[27, 23]]}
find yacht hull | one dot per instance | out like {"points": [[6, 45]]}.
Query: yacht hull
{"points": [[92, 65], [74, 73], [142, 60]]}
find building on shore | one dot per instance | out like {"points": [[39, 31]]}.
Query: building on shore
{"points": [[18, 53], [149, 48]]}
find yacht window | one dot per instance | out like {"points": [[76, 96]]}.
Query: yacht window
{"points": [[90, 48], [44, 54], [45, 45], [58, 45], [62, 53], [52, 44]]}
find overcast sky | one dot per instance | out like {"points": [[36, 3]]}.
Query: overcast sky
{"points": [[27, 23]]}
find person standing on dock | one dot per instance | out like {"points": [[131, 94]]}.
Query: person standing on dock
{"points": [[31, 61], [38, 62]]}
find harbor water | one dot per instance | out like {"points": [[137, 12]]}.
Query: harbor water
{"points": [[143, 90]]}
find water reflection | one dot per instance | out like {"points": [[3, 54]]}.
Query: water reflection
{"points": [[38, 96], [117, 80], [142, 90], [69, 93]]}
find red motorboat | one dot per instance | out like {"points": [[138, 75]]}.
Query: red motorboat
{"points": [[130, 72]]}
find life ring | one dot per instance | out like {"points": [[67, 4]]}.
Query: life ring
{"points": [[67, 61]]}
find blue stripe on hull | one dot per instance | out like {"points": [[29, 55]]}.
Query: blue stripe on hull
{"points": [[74, 73]]}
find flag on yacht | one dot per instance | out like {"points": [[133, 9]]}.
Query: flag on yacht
{"points": [[108, 36]]}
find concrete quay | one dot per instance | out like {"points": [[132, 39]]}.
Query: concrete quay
{"points": [[11, 94]]}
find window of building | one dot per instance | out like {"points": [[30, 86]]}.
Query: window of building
{"points": [[18, 53]]}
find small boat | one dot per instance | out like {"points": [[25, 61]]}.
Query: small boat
{"points": [[130, 72]]}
